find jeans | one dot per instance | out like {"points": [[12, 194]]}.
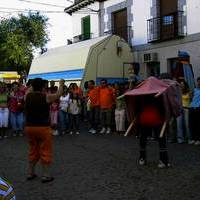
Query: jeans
{"points": [[63, 120], [94, 117], [183, 126], [120, 119], [4, 115], [17, 120]]}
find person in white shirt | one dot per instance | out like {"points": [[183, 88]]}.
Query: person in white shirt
{"points": [[63, 110], [74, 112]]}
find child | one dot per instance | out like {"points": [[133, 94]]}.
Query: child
{"points": [[54, 108], [74, 111]]}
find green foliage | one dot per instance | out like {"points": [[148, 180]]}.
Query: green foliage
{"points": [[19, 38]]}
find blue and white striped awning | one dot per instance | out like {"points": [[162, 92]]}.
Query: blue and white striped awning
{"points": [[66, 75]]}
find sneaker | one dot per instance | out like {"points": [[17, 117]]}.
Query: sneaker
{"points": [[71, 132], [162, 165], [103, 130], [93, 131], [77, 132], [108, 131], [14, 135], [55, 132], [0, 137], [197, 143], [142, 162], [191, 142], [5, 136]]}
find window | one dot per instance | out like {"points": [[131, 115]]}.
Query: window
{"points": [[168, 20], [86, 32]]}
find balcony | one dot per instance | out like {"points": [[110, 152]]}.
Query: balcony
{"points": [[125, 32], [167, 27], [79, 4]]}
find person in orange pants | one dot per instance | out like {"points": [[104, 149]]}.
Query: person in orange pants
{"points": [[37, 127]]}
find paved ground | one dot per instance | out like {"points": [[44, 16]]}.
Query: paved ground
{"points": [[103, 168]]}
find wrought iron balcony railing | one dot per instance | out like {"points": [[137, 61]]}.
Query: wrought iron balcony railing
{"points": [[167, 27], [125, 32]]}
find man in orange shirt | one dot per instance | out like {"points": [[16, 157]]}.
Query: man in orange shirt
{"points": [[93, 101], [107, 99]]}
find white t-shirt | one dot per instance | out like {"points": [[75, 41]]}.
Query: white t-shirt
{"points": [[64, 102], [74, 106]]}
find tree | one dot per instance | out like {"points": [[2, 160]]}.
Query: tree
{"points": [[19, 38]]}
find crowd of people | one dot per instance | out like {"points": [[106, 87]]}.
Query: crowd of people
{"points": [[41, 109], [99, 105]]}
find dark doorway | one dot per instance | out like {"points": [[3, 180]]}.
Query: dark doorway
{"points": [[120, 24], [169, 19], [153, 69]]}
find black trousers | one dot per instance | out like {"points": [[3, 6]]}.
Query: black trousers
{"points": [[74, 122], [144, 132], [94, 115], [194, 116]]}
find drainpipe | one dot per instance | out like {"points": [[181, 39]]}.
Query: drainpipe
{"points": [[101, 19]]}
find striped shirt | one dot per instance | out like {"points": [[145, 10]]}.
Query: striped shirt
{"points": [[6, 191], [196, 98]]}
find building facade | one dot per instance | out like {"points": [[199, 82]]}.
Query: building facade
{"points": [[155, 29]]}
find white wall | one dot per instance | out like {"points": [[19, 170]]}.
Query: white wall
{"points": [[192, 13], [112, 2], [94, 20], [137, 17], [141, 13]]}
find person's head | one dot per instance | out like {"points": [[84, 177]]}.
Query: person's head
{"points": [[184, 86], [15, 86], [38, 84], [70, 86], [3, 87], [165, 76], [28, 84], [91, 84], [86, 85], [65, 89], [75, 86], [74, 96], [52, 83], [103, 83], [198, 82]]}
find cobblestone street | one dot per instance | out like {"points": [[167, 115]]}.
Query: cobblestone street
{"points": [[91, 167]]}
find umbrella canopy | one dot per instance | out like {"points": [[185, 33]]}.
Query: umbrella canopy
{"points": [[152, 89], [149, 86]]}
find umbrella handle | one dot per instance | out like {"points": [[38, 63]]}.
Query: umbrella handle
{"points": [[163, 129], [130, 127]]}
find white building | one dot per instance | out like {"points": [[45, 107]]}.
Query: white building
{"points": [[156, 29]]}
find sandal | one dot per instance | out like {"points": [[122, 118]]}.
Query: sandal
{"points": [[31, 177], [46, 179]]}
